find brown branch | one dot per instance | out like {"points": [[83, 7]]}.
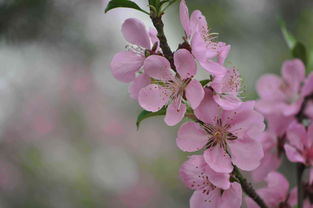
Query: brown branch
{"points": [[248, 188]]}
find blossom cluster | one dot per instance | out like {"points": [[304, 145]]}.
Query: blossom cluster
{"points": [[226, 132]]}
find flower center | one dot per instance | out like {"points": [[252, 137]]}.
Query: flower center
{"points": [[218, 134]]}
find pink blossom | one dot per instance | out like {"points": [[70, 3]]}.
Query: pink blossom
{"points": [[307, 204], [282, 94], [126, 64], [227, 136], [211, 189], [168, 88], [201, 40], [271, 160], [299, 148], [276, 194], [226, 89]]}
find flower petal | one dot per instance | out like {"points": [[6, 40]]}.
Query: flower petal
{"points": [[268, 87], [246, 153], [293, 155], [227, 102], [208, 111], [185, 63], [184, 17], [231, 197], [297, 136], [214, 68], [191, 137], [204, 200], [194, 93], [269, 163], [218, 159], [124, 65], [134, 31], [175, 113], [195, 172], [153, 97], [293, 71], [158, 67], [140, 82], [223, 54]]}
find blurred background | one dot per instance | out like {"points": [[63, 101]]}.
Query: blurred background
{"points": [[67, 129]]}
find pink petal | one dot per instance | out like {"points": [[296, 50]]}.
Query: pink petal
{"points": [[124, 65], [232, 197], [200, 49], [223, 54], [191, 137], [185, 63], [297, 136], [250, 203], [244, 121], [214, 68], [153, 37], [184, 17], [227, 102], [194, 93], [218, 159], [140, 82], [293, 197], [203, 200], [158, 67], [175, 113], [269, 163], [134, 31], [191, 172], [246, 153], [278, 186], [293, 155], [195, 172], [153, 97], [269, 87], [309, 141], [198, 22], [308, 85], [293, 71], [220, 180], [208, 111], [278, 124]]}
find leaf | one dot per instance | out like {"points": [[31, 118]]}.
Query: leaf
{"points": [[289, 38], [297, 48], [205, 82], [299, 51], [124, 4], [147, 114]]}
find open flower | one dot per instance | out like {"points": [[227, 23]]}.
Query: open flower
{"points": [[168, 88], [226, 89], [276, 194], [271, 160], [299, 148], [126, 64], [282, 94], [211, 189], [203, 46], [227, 136]]}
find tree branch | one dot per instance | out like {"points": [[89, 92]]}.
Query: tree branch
{"points": [[300, 170], [248, 188], [159, 26]]}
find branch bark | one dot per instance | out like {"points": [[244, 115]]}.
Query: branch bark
{"points": [[248, 188]]}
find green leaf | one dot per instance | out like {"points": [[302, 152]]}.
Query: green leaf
{"points": [[289, 38], [123, 3], [299, 51], [147, 114], [205, 82], [297, 48]]}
